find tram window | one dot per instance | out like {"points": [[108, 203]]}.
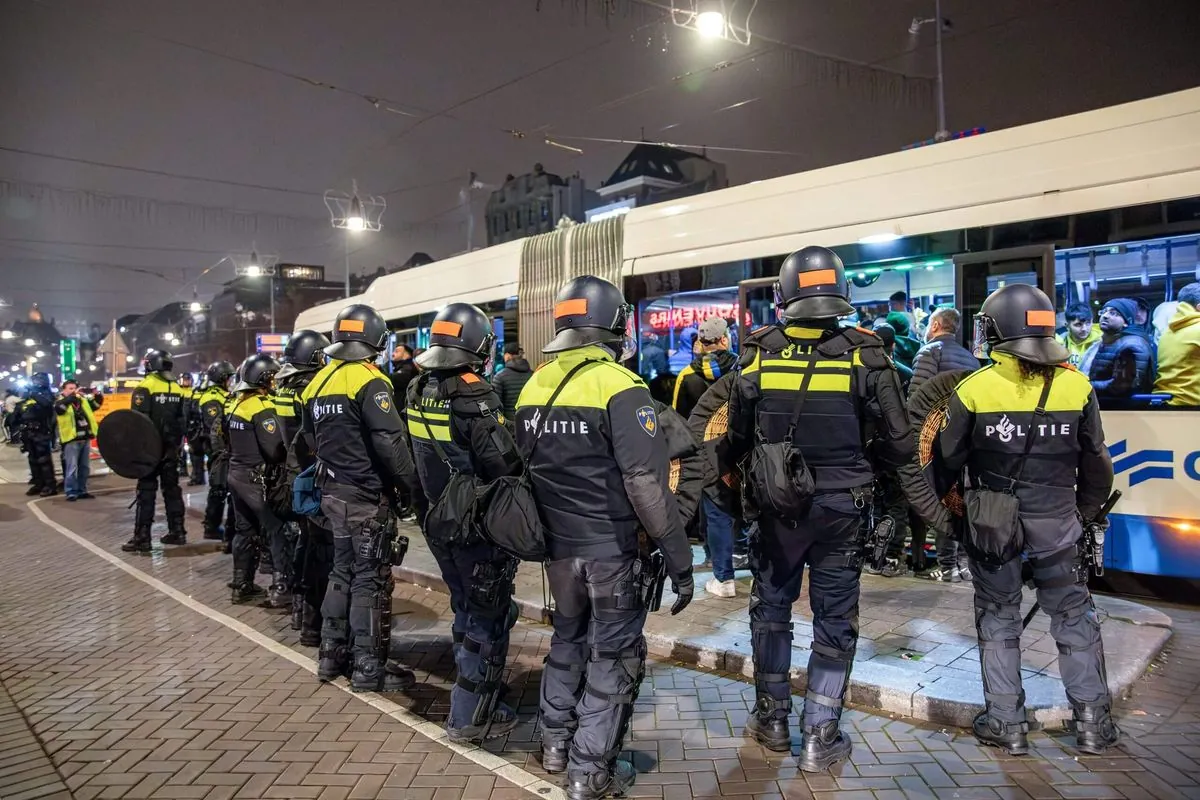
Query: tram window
{"points": [[1124, 325], [667, 327]]}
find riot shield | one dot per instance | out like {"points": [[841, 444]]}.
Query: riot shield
{"points": [[129, 443]]}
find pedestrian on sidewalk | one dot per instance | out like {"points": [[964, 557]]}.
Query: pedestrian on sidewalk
{"points": [[509, 382], [600, 473], [456, 424], [255, 440], [76, 429], [37, 435], [1033, 489], [353, 425], [159, 398], [806, 390]]}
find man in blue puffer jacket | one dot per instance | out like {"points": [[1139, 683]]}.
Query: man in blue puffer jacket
{"points": [[943, 350]]}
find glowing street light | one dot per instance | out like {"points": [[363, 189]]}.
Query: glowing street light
{"points": [[354, 220], [6, 334], [196, 306], [710, 19], [354, 213], [30, 342], [39, 354]]}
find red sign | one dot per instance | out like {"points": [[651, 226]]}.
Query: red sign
{"points": [[689, 316]]}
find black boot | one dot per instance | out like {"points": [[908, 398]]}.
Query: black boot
{"points": [[1095, 730], [140, 543], [599, 784], [554, 756], [333, 661], [824, 746], [310, 626], [503, 720], [279, 596], [175, 532], [213, 534], [1012, 737], [766, 727], [374, 673]]}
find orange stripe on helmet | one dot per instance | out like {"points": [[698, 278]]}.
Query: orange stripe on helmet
{"points": [[1040, 319], [571, 308], [820, 277], [446, 328], [351, 325]]}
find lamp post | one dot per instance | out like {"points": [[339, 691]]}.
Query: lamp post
{"points": [[354, 212], [941, 25], [258, 266]]}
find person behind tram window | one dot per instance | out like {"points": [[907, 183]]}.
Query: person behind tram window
{"points": [[403, 371], [1080, 334], [255, 439], [1062, 476], [806, 393], [600, 470], [1179, 351], [76, 429], [159, 397], [898, 304], [1123, 363], [905, 347], [353, 425], [712, 360], [512, 379], [456, 423]]}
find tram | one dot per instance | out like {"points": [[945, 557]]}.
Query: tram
{"points": [[1090, 207]]}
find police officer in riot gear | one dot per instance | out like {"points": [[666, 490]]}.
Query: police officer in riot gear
{"points": [[160, 398], [212, 402], [37, 435], [194, 424], [455, 422], [313, 557], [353, 425], [808, 396], [1061, 478], [255, 440], [599, 466]]}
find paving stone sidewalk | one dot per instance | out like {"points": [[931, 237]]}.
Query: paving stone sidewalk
{"points": [[120, 682], [918, 654]]}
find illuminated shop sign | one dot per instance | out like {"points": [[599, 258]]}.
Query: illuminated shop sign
{"points": [[688, 316]]}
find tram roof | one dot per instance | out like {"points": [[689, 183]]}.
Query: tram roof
{"points": [[1141, 152]]}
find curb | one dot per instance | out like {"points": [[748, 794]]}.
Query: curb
{"points": [[889, 689]]}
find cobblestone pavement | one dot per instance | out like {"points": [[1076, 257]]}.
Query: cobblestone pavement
{"points": [[162, 689]]}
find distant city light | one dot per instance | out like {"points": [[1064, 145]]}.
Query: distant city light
{"points": [[39, 354], [6, 334], [30, 342], [128, 359], [122, 329], [196, 306]]}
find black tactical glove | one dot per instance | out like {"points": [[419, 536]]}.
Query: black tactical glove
{"points": [[684, 586]]}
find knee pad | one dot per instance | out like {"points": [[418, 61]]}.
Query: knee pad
{"points": [[1059, 570]]}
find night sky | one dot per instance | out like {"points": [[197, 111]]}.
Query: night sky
{"points": [[238, 94]]}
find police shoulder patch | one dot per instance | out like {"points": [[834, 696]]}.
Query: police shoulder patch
{"points": [[384, 401], [648, 420], [269, 424]]}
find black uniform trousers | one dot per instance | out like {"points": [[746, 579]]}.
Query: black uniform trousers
{"points": [[827, 542], [357, 608], [165, 475], [256, 527], [39, 447], [219, 504], [480, 579], [198, 449], [597, 658], [311, 565], [1060, 580]]}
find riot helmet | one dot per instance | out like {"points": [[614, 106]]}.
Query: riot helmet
{"points": [[590, 310], [1020, 320], [812, 285], [158, 361], [359, 333], [460, 336], [185, 380], [305, 352], [40, 380], [256, 372], [219, 373]]}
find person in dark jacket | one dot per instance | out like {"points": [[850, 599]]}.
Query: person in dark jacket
{"points": [[688, 462], [509, 382], [403, 372], [711, 362], [943, 350], [1123, 365], [906, 346]]}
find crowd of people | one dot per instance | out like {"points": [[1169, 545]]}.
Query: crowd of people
{"points": [[40, 421], [805, 437]]}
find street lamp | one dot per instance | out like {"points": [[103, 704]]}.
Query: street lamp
{"points": [[6, 334], [942, 24], [30, 342], [710, 18], [256, 266], [352, 213]]}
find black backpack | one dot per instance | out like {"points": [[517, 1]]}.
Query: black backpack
{"points": [[509, 516], [450, 520]]}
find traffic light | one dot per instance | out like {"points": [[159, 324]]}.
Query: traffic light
{"points": [[66, 354]]}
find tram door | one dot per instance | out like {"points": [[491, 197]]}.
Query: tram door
{"points": [[755, 308], [976, 275]]}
